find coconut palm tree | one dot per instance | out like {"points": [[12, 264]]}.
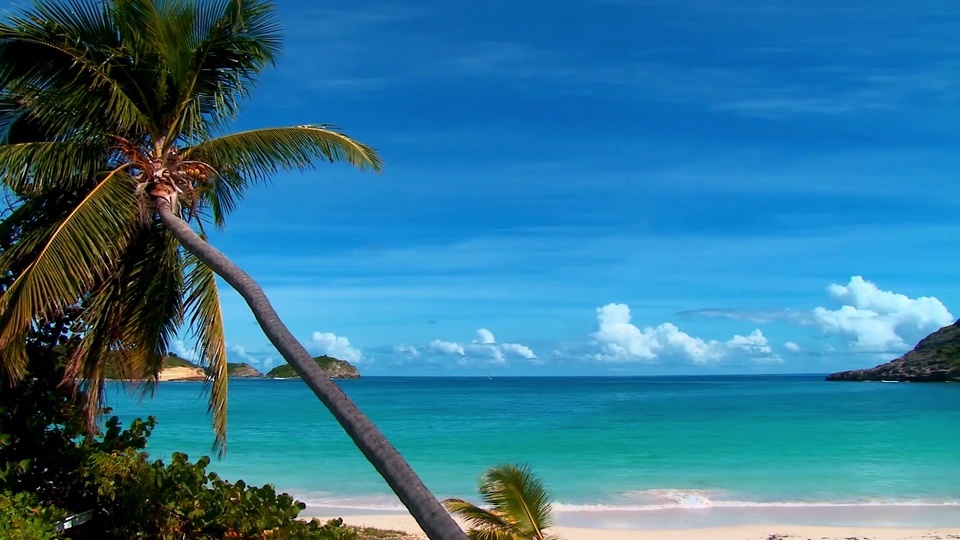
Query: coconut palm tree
{"points": [[518, 506], [113, 116]]}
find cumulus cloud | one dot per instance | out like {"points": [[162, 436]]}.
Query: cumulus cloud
{"points": [[791, 346], [622, 341], [485, 337], [878, 320], [180, 349], [519, 350], [446, 347], [485, 346], [337, 346]]}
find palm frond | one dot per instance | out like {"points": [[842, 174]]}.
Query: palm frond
{"points": [[151, 301], [206, 319], [494, 534], [231, 43], [255, 156], [37, 167], [516, 492], [61, 59], [78, 252], [476, 516]]}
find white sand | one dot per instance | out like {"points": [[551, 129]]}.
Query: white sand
{"points": [[406, 523]]}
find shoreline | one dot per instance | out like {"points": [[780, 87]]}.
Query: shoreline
{"points": [[405, 523], [877, 522]]}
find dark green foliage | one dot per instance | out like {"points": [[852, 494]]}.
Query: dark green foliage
{"points": [[24, 518], [49, 469], [333, 366]]}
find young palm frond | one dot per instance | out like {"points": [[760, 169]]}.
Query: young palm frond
{"points": [[519, 506]]}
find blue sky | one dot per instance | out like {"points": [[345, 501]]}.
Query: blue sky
{"points": [[611, 186]]}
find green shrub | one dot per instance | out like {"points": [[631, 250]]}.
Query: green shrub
{"points": [[22, 517], [49, 468]]}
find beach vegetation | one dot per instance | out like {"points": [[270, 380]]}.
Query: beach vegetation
{"points": [[114, 137], [51, 469], [516, 506]]}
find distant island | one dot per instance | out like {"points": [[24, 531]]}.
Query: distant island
{"points": [[935, 359], [242, 370], [333, 367], [179, 369]]}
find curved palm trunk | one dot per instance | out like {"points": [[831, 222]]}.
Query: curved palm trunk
{"points": [[423, 506]]}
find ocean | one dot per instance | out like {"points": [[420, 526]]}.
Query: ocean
{"points": [[606, 447]]}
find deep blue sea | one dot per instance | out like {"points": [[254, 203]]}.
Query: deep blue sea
{"points": [[625, 442]]}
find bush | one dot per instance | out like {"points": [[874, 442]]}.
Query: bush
{"points": [[49, 469], [22, 517]]}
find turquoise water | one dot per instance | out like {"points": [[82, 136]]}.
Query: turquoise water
{"points": [[598, 443]]}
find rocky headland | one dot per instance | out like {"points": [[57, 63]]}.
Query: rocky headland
{"points": [[935, 359], [333, 367]]}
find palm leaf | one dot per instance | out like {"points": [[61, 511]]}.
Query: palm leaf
{"points": [[129, 318], [96, 348], [257, 155], [516, 492], [151, 300], [62, 59], [78, 252], [494, 534], [476, 516], [206, 319], [231, 43], [37, 167]]}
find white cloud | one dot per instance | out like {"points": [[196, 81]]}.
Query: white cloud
{"points": [[485, 346], [408, 350], [336, 346], [622, 341], [519, 350], [180, 349], [880, 321], [446, 347], [791, 346], [486, 336]]}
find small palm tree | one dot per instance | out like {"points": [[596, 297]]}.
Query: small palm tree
{"points": [[112, 120], [519, 506]]}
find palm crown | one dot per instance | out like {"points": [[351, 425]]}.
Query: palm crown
{"points": [[105, 109]]}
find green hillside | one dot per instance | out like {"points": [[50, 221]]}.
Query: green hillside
{"points": [[334, 368]]}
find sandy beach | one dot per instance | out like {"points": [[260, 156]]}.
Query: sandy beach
{"points": [[181, 374], [406, 523]]}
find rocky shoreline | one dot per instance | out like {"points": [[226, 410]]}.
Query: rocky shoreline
{"points": [[935, 359]]}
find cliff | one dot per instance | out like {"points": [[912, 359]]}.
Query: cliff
{"points": [[178, 369], [935, 359], [334, 368]]}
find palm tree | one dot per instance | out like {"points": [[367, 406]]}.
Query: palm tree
{"points": [[112, 117], [519, 506]]}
